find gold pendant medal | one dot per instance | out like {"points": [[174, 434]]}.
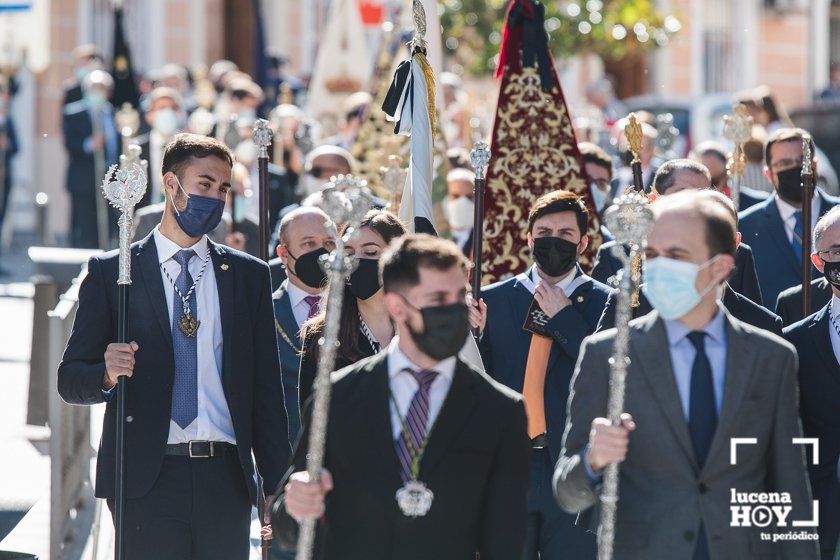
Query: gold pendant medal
{"points": [[188, 325]]}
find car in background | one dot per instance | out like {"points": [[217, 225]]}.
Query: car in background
{"points": [[701, 118]]}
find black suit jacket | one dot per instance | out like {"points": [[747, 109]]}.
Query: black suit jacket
{"points": [[250, 368], [789, 303], [77, 127], [476, 463], [743, 309], [743, 278], [819, 401]]}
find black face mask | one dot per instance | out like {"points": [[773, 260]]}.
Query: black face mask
{"points": [[790, 184], [364, 282], [555, 256], [309, 270], [831, 271], [445, 330]]}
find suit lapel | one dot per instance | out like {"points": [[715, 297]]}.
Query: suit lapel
{"points": [[819, 329], [739, 370], [147, 260], [457, 409], [776, 227], [286, 317], [378, 420], [224, 273], [660, 377]]}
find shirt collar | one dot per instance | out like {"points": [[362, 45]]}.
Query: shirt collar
{"points": [[714, 329], [786, 211], [531, 278], [835, 306], [166, 248], [297, 295], [398, 361]]}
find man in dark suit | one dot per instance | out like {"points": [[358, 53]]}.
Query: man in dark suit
{"points": [[203, 381], [87, 59], [472, 467], [696, 379], [599, 169], [8, 149], [674, 176], [572, 303], [817, 341], [789, 302], [90, 136], [165, 118], [302, 231], [774, 228]]}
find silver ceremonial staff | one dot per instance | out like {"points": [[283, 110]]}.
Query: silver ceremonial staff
{"points": [[630, 221], [737, 128], [123, 192], [346, 202]]}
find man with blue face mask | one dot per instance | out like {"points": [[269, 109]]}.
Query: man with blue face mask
{"points": [[203, 392], [697, 379], [165, 118]]}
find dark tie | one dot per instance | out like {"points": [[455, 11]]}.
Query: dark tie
{"points": [[313, 302], [185, 387], [702, 412], [702, 418], [416, 421], [796, 241]]}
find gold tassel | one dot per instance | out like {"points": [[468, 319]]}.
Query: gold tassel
{"points": [[430, 86]]}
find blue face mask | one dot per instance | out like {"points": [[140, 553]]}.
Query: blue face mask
{"points": [[202, 214], [599, 198], [670, 286]]}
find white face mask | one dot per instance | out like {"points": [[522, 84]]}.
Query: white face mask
{"points": [[165, 121], [309, 184], [246, 152], [247, 113], [460, 212]]}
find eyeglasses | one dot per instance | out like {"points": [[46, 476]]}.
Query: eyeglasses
{"points": [[787, 163], [832, 255]]}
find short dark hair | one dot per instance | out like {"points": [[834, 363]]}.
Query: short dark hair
{"points": [[559, 201], [666, 175], [785, 135], [712, 148], [401, 263], [592, 153], [721, 228], [186, 146]]}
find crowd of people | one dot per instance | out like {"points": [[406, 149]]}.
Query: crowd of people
{"points": [[428, 453]]}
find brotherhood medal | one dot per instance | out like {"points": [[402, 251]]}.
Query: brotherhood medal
{"points": [[188, 324], [414, 498]]}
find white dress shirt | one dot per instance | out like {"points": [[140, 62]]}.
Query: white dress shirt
{"points": [[786, 211], [213, 422], [300, 308], [832, 330], [403, 386], [569, 283]]}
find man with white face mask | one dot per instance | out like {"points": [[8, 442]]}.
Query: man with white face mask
{"points": [[697, 378], [165, 118], [459, 207]]}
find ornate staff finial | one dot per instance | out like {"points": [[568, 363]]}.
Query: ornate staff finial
{"points": [[123, 193], [480, 158], [629, 219], [393, 178], [262, 136], [127, 120], [633, 133], [807, 156], [419, 13]]}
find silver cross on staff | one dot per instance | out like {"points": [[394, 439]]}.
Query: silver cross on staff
{"points": [[346, 201], [630, 220], [123, 193], [737, 128]]}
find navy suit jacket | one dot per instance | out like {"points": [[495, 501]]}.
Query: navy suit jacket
{"points": [[77, 127], [747, 198], [742, 279], [819, 401], [777, 267], [250, 369], [789, 303], [504, 345], [289, 348]]}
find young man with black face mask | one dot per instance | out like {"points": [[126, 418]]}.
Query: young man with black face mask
{"points": [[203, 383], [539, 362], [774, 228], [817, 341], [416, 418], [304, 234]]}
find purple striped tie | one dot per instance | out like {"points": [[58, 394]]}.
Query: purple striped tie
{"points": [[416, 420]]}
